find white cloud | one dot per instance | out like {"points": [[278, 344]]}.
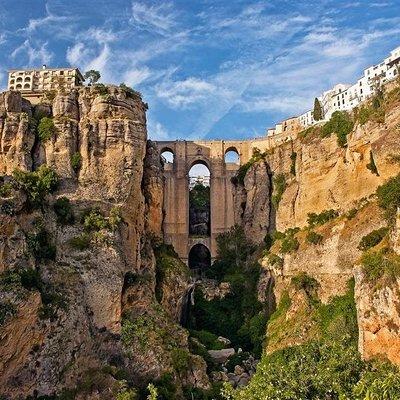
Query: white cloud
{"points": [[136, 76], [181, 94], [76, 53], [157, 131], [34, 54], [160, 18]]}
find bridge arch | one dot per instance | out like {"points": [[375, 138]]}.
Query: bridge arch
{"points": [[176, 194], [232, 155], [199, 257]]}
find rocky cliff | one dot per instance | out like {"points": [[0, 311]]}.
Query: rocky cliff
{"points": [[79, 218], [313, 175]]}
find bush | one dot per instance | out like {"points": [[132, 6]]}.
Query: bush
{"points": [[372, 239], [314, 237], [7, 310], [63, 209], [40, 246], [275, 261], [5, 190], [290, 244], [129, 91], [380, 264], [46, 129], [101, 89], [293, 158], [341, 124], [115, 218], [208, 339], [76, 161], [199, 196], [81, 242], [389, 196], [37, 185], [371, 165], [304, 282], [279, 187], [93, 220], [364, 115], [321, 218], [351, 213], [180, 359]]}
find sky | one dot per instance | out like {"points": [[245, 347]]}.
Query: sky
{"points": [[222, 69]]}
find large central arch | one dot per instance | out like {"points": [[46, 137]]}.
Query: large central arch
{"points": [[176, 188]]}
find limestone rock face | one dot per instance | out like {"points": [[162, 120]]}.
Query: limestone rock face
{"points": [[16, 137], [331, 177], [75, 320], [378, 313], [252, 202]]}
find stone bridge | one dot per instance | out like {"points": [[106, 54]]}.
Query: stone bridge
{"points": [[176, 188]]}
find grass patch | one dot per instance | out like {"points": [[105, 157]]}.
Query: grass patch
{"points": [[340, 123], [279, 187], [314, 219], [314, 237], [380, 264], [46, 129]]}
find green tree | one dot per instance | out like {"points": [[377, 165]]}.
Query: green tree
{"points": [[92, 75], [318, 112]]}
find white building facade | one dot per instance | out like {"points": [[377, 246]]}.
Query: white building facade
{"points": [[344, 97]]}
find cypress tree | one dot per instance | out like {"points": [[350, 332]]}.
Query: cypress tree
{"points": [[317, 110]]}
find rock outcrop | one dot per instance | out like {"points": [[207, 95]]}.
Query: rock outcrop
{"points": [[74, 296]]}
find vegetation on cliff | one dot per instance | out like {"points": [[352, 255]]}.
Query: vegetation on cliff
{"points": [[323, 361], [238, 316]]}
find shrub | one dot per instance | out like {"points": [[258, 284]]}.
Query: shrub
{"points": [[129, 91], [5, 190], [37, 185], [101, 89], [7, 310], [115, 218], [180, 359], [275, 260], [364, 115], [46, 129], [289, 244], [389, 196], [293, 158], [80, 242], [208, 339], [93, 220], [314, 237], [279, 187], [321, 218], [76, 161], [305, 282], [351, 213], [371, 165], [40, 246], [372, 239], [341, 124], [63, 209], [379, 264]]}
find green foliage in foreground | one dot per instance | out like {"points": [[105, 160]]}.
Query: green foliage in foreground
{"points": [[37, 184], [340, 123], [327, 367]]}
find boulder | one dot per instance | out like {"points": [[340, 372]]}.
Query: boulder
{"points": [[221, 356]]}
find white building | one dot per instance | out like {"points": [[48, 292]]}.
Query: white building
{"points": [[344, 97], [33, 83]]}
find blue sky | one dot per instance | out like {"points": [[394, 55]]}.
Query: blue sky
{"points": [[208, 69]]}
